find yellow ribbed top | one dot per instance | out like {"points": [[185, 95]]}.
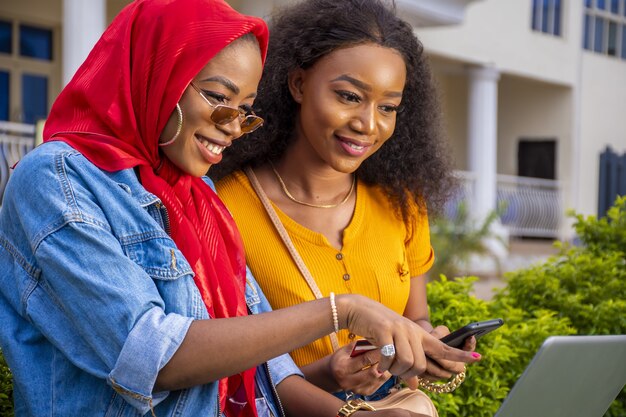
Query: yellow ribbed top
{"points": [[379, 256]]}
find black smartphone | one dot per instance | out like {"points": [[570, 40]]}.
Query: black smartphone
{"points": [[457, 338]]}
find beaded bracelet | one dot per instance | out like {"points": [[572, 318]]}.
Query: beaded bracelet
{"points": [[333, 308]]}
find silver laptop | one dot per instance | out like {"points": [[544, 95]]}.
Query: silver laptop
{"points": [[570, 376]]}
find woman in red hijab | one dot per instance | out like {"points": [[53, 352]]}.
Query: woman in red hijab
{"points": [[124, 288]]}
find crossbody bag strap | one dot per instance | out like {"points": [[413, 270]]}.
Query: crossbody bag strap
{"points": [[280, 228]]}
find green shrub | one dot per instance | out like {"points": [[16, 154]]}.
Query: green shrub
{"points": [[605, 234], [506, 352], [589, 289], [585, 284], [6, 389]]}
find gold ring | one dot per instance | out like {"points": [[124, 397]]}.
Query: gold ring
{"points": [[368, 366]]}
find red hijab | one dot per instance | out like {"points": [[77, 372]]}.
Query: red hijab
{"points": [[113, 112]]}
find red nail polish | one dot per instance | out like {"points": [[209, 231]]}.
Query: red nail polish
{"points": [[476, 355]]}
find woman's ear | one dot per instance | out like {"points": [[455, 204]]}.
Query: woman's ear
{"points": [[295, 79]]}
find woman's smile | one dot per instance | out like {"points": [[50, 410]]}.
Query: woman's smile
{"points": [[353, 147], [210, 150]]}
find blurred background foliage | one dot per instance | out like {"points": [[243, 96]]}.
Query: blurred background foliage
{"points": [[457, 239]]}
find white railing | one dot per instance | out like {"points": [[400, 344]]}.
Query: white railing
{"points": [[16, 140], [531, 206], [467, 181]]}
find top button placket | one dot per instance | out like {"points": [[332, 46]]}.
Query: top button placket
{"points": [[346, 276]]}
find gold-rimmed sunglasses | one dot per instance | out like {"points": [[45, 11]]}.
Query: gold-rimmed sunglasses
{"points": [[223, 115]]}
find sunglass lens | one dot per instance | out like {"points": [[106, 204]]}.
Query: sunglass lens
{"points": [[251, 123], [223, 115]]}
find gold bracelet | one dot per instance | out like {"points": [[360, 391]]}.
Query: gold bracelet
{"points": [[352, 406], [442, 388]]}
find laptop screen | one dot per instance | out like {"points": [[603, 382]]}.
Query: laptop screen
{"points": [[570, 376]]}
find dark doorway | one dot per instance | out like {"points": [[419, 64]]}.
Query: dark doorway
{"points": [[536, 159]]}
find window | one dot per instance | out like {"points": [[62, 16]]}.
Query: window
{"points": [[35, 42], [605, 27], [29, 70], [4, 98], [546, 16], [6, 38], [34, 97], [537, 158]]}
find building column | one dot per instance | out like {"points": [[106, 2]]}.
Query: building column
{"points": [[482, 137], [83, 24]]}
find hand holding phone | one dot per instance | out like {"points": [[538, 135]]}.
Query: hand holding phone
{"points": [[457, 338]]}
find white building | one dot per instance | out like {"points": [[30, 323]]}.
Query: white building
{"points": [[555, 97], [531, 88]]}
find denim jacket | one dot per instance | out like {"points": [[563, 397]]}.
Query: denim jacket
{"points": [[95, 297]]}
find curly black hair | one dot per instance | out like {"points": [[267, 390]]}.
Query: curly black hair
{"points": [[414, 163]]}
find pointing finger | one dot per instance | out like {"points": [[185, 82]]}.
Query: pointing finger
{"points": [[439, 350]]}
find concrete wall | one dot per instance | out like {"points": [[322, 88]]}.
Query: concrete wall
{"points": [[602, 120], [44, 11], [532, 110], [527, 109], [498, 32]]}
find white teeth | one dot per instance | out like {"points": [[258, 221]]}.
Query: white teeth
{"points": [[216, 149], [357, 147], [213, 148]]}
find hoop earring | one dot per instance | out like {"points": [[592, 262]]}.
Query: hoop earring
{"points": [[179, 127]]}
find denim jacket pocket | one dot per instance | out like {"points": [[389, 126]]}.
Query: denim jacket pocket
{"points": [[157, 255], [263, 408]]}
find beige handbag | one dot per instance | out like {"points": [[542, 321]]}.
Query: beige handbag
{"points": [[408, 399], [415, 401]]}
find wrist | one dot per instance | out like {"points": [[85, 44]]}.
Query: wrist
{"points": [[333, 385], [320, 373], [345, 304], [425, 324]]}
